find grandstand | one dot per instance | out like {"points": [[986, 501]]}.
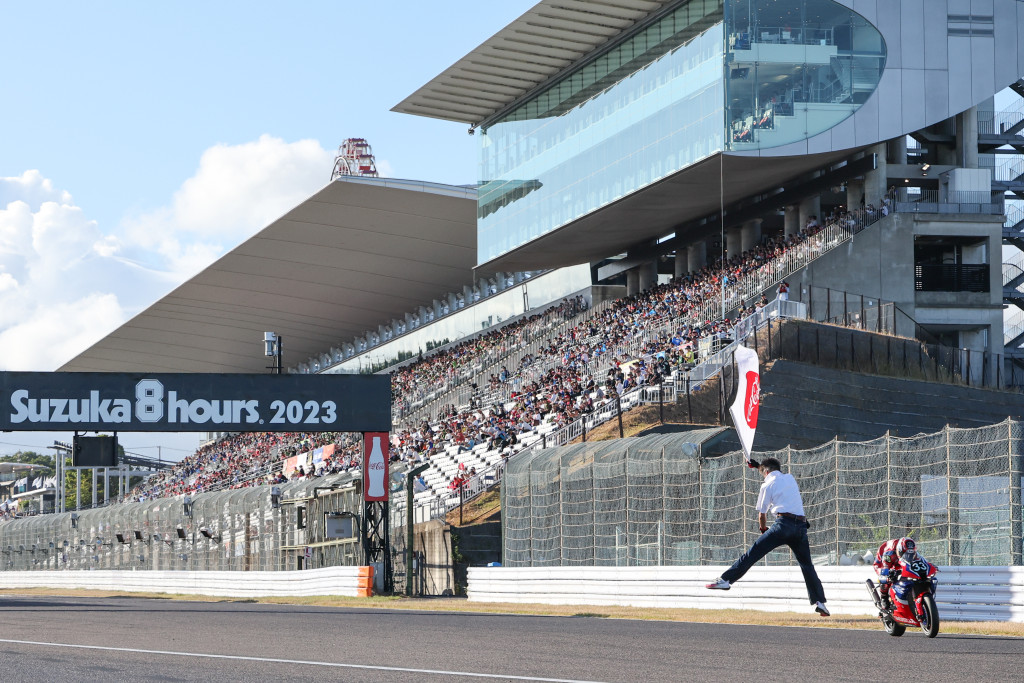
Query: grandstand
{"points": [[643, 210]]}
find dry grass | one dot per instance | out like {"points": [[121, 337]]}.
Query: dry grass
{"points": [[484, 508], [742, 617]]}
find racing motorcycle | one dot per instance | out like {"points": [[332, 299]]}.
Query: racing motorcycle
{"points": [[911, 598]]}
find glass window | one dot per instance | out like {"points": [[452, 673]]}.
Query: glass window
{"points": [[795, 68], [644, 110]]}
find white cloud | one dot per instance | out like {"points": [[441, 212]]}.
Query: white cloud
{"points": [[64, 284], [237, 190], [56, 332], [32, 188]]}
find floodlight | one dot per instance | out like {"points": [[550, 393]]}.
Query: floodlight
{"points": [[138, 535], [181, 533], [120, 538], [209, 534]]}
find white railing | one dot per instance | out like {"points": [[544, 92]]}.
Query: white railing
{"points": [[647, 394]]}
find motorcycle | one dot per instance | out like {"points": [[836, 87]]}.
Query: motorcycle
{"points": [[911, 598]]}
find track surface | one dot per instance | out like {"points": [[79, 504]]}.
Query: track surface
{"points": [[142, 639]]}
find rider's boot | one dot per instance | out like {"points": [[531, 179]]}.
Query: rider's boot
{"points": [[883, 592]]}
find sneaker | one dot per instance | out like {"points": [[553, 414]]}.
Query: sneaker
{"points": [[820, 608], [719, 584]]}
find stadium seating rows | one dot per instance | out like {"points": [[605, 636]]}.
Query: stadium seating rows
{"points": [[582, 362]]}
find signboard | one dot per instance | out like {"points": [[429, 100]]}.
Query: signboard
{"points": [[375, 466], [193, 402], [340, 525]]}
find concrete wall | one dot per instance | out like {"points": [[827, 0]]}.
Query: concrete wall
{"points": [[879, 263], [435, 573]]}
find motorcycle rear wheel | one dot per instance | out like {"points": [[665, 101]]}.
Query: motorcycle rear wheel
{"points": [[929, 616], [891, 627]]}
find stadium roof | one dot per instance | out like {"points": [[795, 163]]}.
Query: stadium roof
{"points": [[524, 56], [358, 253]]}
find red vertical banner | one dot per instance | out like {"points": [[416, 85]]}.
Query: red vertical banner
{"points": [[375, 466]]}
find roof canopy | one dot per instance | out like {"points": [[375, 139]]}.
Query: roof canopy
{"points": [[658, 209], [523, 56], [358, 253]]}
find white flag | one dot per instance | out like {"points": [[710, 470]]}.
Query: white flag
{"points": [[748, 394]]}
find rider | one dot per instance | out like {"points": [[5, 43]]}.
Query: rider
{"points": [[888, 559]]}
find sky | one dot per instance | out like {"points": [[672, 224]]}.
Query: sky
{"points": [[141, 141]]}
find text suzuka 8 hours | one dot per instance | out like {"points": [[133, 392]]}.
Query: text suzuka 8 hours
{"points": [[174, 402]]}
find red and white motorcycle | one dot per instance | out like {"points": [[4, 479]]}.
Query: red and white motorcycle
{"points": [[911, 598]]}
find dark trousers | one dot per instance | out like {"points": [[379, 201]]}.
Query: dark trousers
{"points": [[783, 532]]}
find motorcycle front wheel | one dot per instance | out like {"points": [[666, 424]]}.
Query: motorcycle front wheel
{"points": [[929, 616], [892, 628]]}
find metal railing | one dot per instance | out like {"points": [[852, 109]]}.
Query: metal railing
{"points": [[667, 392]]}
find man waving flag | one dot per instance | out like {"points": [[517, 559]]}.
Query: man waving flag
{"points": [[748, 392]]}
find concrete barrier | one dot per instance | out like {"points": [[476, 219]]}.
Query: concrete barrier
{"points": [[346, 581], [963, 593]]}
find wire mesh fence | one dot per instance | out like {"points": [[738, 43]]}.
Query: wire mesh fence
{"points": [[657, 501], [237, 530]]}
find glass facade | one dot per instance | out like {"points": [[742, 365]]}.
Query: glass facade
{"points": [[795, 68], [641, 111], [707, 76]]}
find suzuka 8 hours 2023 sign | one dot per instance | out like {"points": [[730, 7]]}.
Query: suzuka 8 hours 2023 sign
{"points": [[164, 402]]}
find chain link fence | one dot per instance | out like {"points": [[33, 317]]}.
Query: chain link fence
{"points": [[657, 501], [251, 529]]}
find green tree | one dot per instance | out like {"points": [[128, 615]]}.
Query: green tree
{"points": [[30, 458]]}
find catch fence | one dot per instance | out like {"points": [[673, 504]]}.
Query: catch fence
{"points": [[293, 526], [657, 500]]}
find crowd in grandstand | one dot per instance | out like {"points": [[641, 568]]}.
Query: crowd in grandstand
{"points": [[236, 461], [556, 385]]}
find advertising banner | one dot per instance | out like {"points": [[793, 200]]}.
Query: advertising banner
{"points": [[193, 402], [290, 465], [375, 466], [748, 393]]}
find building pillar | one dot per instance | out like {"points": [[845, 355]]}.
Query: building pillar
{"points": [[696, 256], [682, 254], [854, 195], [632, 282], [967, 138], [874, 181], [750, 234], [811, 206], [792, 221], [898, 150], [648, 275], [733, 242]]}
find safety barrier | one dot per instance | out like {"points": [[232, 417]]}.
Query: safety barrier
{"points": [[963, 593], [347, 581]]}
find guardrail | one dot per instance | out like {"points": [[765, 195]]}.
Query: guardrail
{"points": [[964, 593], [349, 581]]}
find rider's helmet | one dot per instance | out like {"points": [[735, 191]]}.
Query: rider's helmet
{"points": [[906, 549]]}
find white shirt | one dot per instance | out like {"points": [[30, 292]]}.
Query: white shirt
{"points": [[779, 493]]}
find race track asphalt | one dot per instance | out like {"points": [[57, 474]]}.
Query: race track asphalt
{"points": [[142, 639]]}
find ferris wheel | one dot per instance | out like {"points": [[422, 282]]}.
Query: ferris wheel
{"points": [[355, 157]]}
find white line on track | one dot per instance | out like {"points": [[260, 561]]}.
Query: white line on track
{"points": [[271, 660]]}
